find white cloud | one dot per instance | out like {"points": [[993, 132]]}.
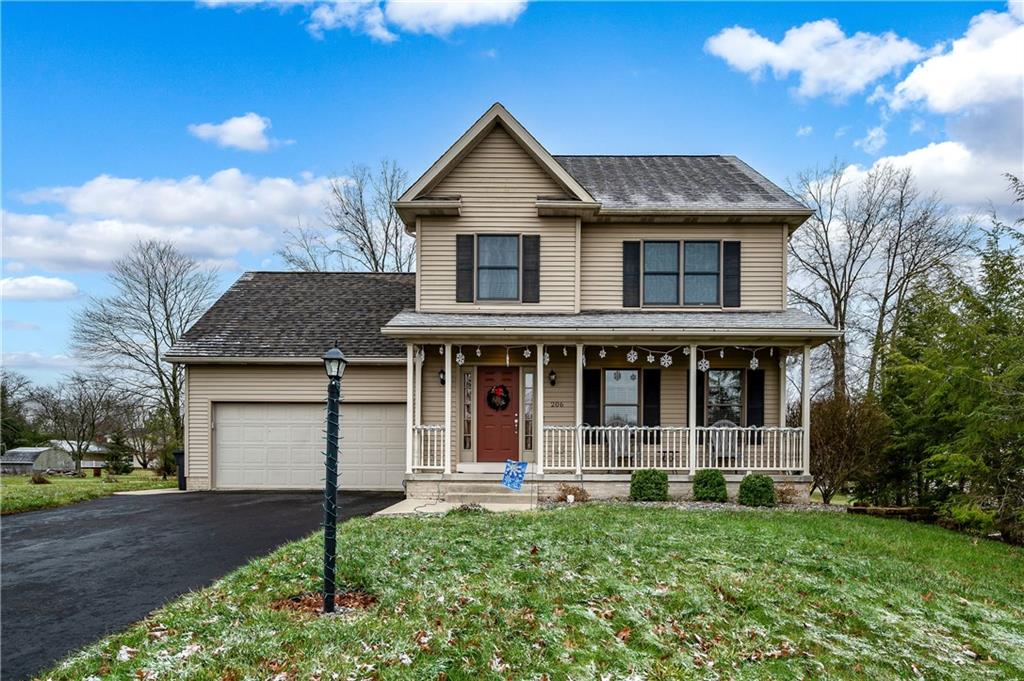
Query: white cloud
{"points": [[36, 360], [212, 219], [247, 132], [377, 19], [985, 66], [873, 141], [827, 61], [37, 288], [441, 18], [804, 130]]}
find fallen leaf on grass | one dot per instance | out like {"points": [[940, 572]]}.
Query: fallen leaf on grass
{"points": [[623, 634]]}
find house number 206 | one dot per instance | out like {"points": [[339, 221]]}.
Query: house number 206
{"points": [[556, 404]]}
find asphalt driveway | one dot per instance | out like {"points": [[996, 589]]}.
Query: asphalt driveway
{"points": [[72, 575]]}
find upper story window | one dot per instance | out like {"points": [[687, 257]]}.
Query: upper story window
{"points": [[661, 273], [702, 269], [498, 267]]}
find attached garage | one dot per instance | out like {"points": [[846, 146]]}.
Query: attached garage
{"points": [[274, 445]]}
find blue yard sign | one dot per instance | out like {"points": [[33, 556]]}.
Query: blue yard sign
{"points": [[515, 473]]}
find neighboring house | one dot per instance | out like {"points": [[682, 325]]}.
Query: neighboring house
{"points": [[94, 454], [588, 314], [26, 460]]}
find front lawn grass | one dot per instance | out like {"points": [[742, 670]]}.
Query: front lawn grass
{"points": [[602, 591], [18, 494]]}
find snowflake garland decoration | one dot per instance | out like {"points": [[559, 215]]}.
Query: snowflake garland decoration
{"points": [[565, 352], [602, 354], [754, 363], [460, 358], [547, 358], [631, 356], [478, 351], [650, 358], [666, 360], [703, 364], [721, 353], [686, 350], [527, 353]]}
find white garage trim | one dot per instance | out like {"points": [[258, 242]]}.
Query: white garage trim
{"points": [[279, 445]]}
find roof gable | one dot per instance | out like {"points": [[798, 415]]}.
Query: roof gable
{"points": [[497, 115]]}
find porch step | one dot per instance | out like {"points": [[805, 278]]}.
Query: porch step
{"points": [[486, 487], [524, 498]]}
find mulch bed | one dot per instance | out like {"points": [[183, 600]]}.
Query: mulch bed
{"points": [[313, 603]]}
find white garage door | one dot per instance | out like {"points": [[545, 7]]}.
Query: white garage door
{"points": [[278, 446]]}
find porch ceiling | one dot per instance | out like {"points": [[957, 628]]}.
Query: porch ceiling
{"points": [[784, 326]]}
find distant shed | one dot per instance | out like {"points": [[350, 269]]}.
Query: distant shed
{"points": [[25, 460]]}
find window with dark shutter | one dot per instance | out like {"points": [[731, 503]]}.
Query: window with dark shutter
{"points": [[464, 268], [731, 274], [755, 401], [630, 274], [531, 268]]}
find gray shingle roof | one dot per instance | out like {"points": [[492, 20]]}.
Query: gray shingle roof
{"points": [[23, 454], [300, 314], [717, 183], [681, 321]]}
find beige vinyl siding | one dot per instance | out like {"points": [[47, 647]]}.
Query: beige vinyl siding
{"points": [[499, 184], [208, 384], [762, 266]]}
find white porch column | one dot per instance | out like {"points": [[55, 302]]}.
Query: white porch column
{"points": [[805, 410], [418, 412], [538, 424], [579, 408], [448, 381], [691, 410], [409, 406], [783, 381]]}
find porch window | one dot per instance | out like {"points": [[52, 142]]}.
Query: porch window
{"points": [[701, 271], [725, 396], [661, 273], [621, 397], [528, 392], [497, 267], [467, 409]]}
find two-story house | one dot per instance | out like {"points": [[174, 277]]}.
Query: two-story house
{"points": [[591, 315]]}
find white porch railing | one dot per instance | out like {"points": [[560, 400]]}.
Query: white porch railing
{"points": [[626, 448], [428, 448], [750, 449]]}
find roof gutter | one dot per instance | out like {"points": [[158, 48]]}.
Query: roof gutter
{"points": [[292, 361], [588, 332]]}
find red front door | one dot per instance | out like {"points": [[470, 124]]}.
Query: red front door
{"points": [[497, 413]]}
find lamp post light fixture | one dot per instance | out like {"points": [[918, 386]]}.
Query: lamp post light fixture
{"points": [[334, 365]]}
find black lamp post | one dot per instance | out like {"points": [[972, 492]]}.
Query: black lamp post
{"points": [[334, 364]]}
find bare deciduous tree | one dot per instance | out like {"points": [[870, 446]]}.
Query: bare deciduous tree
{"points": [[159, 294], [76, 409], [920, 239], [845, 433], [362, 229]]}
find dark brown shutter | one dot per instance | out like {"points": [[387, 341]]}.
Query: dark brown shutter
{"points": [[731, 274], [702, 382], [630, 274], [652, 405], [531, 268], [592, 397], [755, 400], [464, 268]]}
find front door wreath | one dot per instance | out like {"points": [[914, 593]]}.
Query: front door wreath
{"points": [[498, 397]]}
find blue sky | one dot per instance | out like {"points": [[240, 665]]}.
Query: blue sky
{"points": [[98, 100]]}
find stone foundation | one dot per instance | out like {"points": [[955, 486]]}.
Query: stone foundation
{"points": [[546, 487]]}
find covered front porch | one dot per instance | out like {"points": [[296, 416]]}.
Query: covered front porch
{"points": [[597, 411]]}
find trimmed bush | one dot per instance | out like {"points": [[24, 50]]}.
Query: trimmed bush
{"points": [[648, 485], [709, 485], [757, 490], [578, 493]]}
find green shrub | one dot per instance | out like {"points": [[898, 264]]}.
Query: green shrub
{"points": [[709, 485], [757, 490], [966, 516], [648, 485]]}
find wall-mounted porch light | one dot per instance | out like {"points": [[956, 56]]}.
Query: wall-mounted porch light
{"points": [[440, 376], [552, 377]]}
